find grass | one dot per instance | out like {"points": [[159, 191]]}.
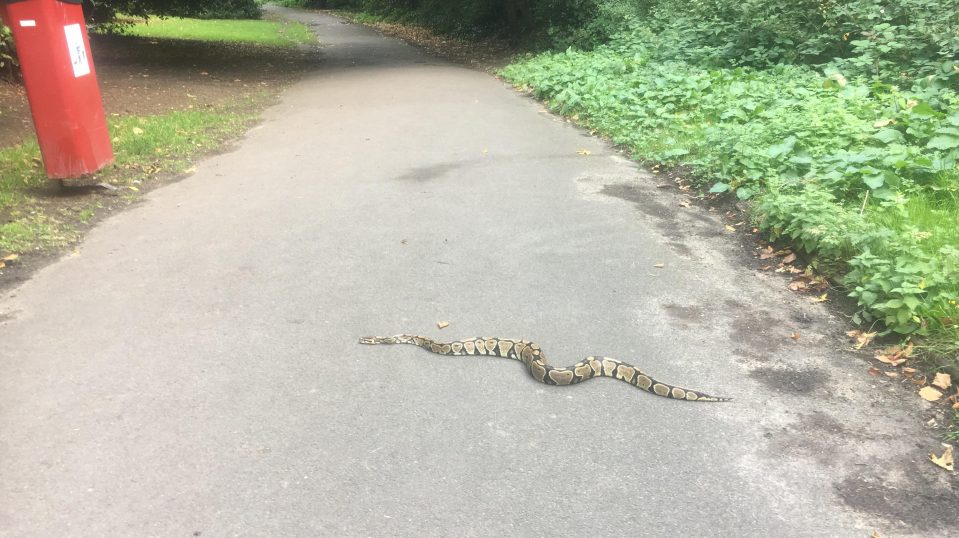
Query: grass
{"points": [[281, 34], [953, 434], [144, 146]]}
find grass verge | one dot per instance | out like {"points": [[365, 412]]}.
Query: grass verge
{"points": [[274, 33], [145, 146], [38, 217]]}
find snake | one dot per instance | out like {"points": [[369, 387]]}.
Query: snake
{"points": [[532, 356]]}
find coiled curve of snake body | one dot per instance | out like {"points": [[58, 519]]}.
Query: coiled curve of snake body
{"points": [[532, 356]]}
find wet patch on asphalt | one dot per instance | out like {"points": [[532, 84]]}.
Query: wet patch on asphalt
{"points": [[796, 382], [915, 501]]}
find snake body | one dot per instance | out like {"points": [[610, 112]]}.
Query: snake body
{"points": [[532, 356]]}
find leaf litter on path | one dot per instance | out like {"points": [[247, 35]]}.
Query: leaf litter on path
{"points": [[946, 460]]}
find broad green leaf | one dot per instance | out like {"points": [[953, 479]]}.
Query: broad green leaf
{"points": [[719, 187], [943, 141], [888, 136]]}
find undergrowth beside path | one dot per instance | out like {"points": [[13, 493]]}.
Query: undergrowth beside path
{"points": [[861, 177]]}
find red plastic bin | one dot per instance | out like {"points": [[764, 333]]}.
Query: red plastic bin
{"points": [[54, 52]]}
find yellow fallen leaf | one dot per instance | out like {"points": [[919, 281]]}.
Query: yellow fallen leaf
{"points": [[137, 131], [10, 257], [794, 336], [730, 228], [862, 338], [584, 152], [945, 461], [942, 380], [442, 324], [929, 394], [2, 265]]}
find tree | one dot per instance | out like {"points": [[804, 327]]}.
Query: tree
{"points": [[106, 10]]}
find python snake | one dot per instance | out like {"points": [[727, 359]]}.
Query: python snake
{"points": [[532, 356]]}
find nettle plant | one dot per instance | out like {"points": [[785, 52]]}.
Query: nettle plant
{"points": [[907, 287]]}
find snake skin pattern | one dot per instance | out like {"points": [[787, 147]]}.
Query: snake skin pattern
{"points": [[532, 356]]}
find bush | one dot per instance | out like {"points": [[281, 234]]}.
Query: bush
{"points": [[104, 11]]}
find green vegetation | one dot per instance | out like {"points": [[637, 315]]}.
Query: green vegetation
{"points": [[100, 11], [852, 160], [283, 34], [144, 146]]}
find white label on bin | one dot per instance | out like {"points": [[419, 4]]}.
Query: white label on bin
{"points": [[78, 51], [28, 22]]}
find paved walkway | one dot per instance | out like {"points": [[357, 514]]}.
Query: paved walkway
{"points": [[194, 369]]}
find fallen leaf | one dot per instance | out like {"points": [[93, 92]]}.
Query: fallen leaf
{"points": [[881, 123], [862, 338], [821, 299], [942, 380], [659, 265], [730, 228], [891, 374], [908, 371], [442, 324], [875, 534], [2, 265], [894, 355], [875, 371], [684, 203], [584, 152], [767, 253], [945, 461], [137, 131], [929, 394], [10, 258], [789, 259], [794, 336]]}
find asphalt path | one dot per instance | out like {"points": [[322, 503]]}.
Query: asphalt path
{"points": [[193, 370]]}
